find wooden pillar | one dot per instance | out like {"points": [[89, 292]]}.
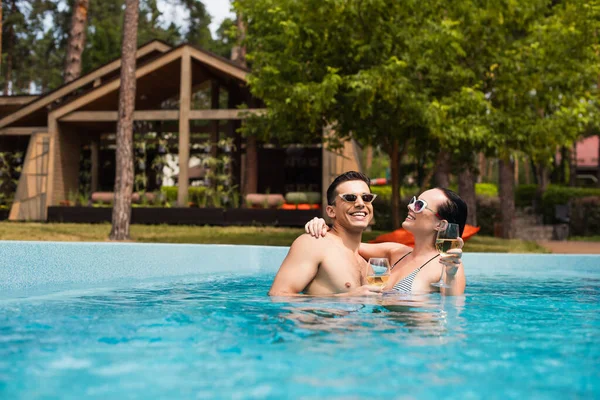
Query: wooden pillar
{"points": [[185, 97], [232, 126], [251, 167], [95, 156], [53, 156], [214, 104]]}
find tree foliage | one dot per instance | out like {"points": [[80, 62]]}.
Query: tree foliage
{"points": [[35, 32], [468, 76]]}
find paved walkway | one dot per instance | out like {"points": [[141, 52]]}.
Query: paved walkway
{"points": [[571, 247]]}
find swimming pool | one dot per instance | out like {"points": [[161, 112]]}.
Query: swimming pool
{"points": [[103, 320]]}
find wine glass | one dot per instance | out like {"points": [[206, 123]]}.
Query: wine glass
{"points": [[447, 239], [378, 272]]}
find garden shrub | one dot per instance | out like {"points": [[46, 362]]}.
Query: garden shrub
{"points": [[585, 216], [488, 213], [556, 195], [194, 193], [524, 195]]}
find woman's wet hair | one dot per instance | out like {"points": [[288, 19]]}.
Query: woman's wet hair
{"points": [[345, 177], [454, 210]]}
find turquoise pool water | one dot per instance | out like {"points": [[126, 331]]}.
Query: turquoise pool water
{"points": [[174, 321]]}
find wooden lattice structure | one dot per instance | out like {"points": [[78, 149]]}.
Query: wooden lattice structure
{"points": [[79, 113]]}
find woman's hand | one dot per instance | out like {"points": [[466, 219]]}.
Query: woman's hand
{"points": [[316, 227], [452, 259]]}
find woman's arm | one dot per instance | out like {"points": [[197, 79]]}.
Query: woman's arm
{"points": [[317, 227], [386, 250]]}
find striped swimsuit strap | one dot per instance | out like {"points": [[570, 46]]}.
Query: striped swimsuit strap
{"points": [[405, 284]]}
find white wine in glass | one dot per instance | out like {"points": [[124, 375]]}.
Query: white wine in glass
{"points": [[443, 245], [378, 272], [447, 239]]}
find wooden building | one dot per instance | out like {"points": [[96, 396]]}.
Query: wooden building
{"points": [[58, 124]]}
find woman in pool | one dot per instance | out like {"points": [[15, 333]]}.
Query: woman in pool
{"points": [[415, 269]]}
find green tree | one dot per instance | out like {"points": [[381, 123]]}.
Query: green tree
{"points": [[198, 32], [22, 24], [351, 77], [224, 39], [105, 30], [543, 71]]}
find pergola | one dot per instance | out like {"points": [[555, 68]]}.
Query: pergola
{"points": [[79, 113]]}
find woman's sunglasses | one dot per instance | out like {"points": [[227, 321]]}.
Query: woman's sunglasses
{"points": [[420, 205], [351, 197]]}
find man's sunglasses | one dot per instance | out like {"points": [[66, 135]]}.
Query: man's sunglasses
{"points": [[420, 205], [351, 197]]}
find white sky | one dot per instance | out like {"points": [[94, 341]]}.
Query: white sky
{"points": [[218, 10]]}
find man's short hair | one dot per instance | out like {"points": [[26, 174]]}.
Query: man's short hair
{"points": [[345, 177]]}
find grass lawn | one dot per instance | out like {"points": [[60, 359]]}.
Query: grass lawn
{"points": [[585, 238], [215, 235]]}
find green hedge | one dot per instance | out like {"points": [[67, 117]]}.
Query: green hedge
{"points": [[554, 195], [585, 216], [194, 192], [382, 207], [488, 205], [385, 192], [481, 189], [486, 189], [524, 195], [488, 212]]}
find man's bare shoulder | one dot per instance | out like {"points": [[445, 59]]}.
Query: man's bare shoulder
{"points": [[310, 243]]}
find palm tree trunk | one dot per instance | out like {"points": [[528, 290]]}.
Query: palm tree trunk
{"points": [[76, 40], [121, 216], [466, 189], [507, 196]]}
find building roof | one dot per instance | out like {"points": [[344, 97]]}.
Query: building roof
{"points": [[157, 75], [34, 111], [151, 82]]}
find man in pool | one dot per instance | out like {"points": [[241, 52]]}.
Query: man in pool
{"points": [[331, 266]]}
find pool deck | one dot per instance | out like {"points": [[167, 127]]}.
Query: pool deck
{"points": [[571, 247]]}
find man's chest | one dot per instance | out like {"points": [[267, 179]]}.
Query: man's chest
{"points": [[344, 266]]}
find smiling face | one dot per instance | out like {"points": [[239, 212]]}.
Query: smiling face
{"points": [[353, 216], [426, 222]]}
